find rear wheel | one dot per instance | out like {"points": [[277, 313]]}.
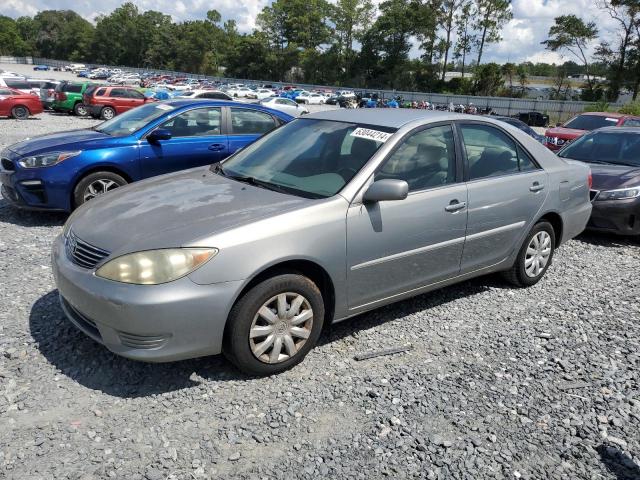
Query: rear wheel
{"points": [[20, 112], [96, 184], [534, 257], [107, 113], [80, 109], [274, 325]]}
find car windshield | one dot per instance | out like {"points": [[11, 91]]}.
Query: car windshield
{"points": [[309, 158], [133, 120], [591, 122], [620, 148]]}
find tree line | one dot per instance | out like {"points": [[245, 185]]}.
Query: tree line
{"points": [[349, 42]]}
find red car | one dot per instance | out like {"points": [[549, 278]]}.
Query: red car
{"points": [[559, 136], [108, 101], [19, 105]]}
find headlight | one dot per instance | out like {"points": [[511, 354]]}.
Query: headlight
{"points": [[46, 159], [620, 194], [153, 267]]}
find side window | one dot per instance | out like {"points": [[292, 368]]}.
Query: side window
{"points": [[119, 93], [250, 122], [490, 152], [72, 88], [426, 159], [135, 94], [200, 122], [4, 91], [632, 122], [100, 92]]}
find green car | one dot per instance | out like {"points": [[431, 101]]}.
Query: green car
{"points": [[68, 98]]}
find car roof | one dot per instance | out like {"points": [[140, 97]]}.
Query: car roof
{"points": [[635, 130], [188, 102], [386, 117], [607, 114]]}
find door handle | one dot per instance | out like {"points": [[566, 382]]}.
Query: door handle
{"points": [[455, 205], [536, 187], [216, 147]]}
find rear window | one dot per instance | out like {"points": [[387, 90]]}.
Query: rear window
{"points": [[18, 84], [591, 122], [35, 84], [72, 88]]}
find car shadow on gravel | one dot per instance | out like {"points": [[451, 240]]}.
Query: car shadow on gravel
{"points": [[93, 366], [29, 218], [619, 463]]}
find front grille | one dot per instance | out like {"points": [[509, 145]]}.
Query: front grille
{"points": [[146, 342], [7, 164], [82, 253], [593, 194]]}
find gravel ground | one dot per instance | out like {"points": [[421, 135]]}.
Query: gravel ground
{"points": [[501, 383]]}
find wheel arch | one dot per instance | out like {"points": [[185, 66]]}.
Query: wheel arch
{"points": [[310, 269], [20, 105], [557, 223], [97, 168]]}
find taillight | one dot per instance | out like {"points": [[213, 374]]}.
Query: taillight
{"points": [[61, 96], [590, 180]]}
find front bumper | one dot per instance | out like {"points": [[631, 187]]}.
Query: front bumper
{"points": [[621, 217], [32, 189], [153, 323]]}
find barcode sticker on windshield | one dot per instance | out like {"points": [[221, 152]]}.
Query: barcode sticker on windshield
{"points": [[369, 134]]}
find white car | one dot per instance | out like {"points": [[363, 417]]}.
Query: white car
{"points": [[239, 92], [210, 94], [261, 93], [310, 98], [75, 67], [17, 83], [345, 94], [284, 105]]}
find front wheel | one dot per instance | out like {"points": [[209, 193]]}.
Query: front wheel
{"points": [[534, 257], [20, 113], [274, 325], [96, 184]]}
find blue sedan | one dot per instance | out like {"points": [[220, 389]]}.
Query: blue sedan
{"points": [[63, 170], [44, 68]]}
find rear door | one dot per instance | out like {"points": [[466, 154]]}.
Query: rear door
{"points": [[246, 125], [198, 138], [119, 99], [506, 191]]}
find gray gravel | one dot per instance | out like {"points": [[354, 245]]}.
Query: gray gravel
{"points": [[501, 383]]}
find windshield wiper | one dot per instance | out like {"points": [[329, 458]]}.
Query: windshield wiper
{"points": [[258, 183]]}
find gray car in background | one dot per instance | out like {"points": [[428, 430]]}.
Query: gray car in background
{"points": [[332, 215]]}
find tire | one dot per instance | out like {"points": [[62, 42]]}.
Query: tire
{"points": [[98, 182], [20, 112], [107, 113], [80, 110], [523, 272], [247, 353]]}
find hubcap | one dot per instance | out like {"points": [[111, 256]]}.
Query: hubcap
{"points": [[538, 253], [281, 327], [99, 187], [20, 112], [108, 114]]}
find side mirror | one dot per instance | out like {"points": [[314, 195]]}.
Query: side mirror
{"points": [[159, 134], [386, 190]]}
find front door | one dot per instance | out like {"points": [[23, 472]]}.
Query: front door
{"points": [[506, 191], [196, 140], [397, 246]]}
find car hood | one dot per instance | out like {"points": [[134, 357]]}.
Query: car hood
{"points": [[610, 177], [175, 210], [562, 132], [69, 140]]}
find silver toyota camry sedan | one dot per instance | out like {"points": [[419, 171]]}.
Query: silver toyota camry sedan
{"points": [[326, 217]]}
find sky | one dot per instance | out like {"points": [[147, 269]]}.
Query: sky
{"points": [[521, 36]]}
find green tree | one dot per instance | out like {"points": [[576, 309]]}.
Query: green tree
{"points": [[572, 34], [11, 43], [62, 34], [488, 79], [351, 19], [448, 11], [491, 16], [509, 71], [466, 37]]}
